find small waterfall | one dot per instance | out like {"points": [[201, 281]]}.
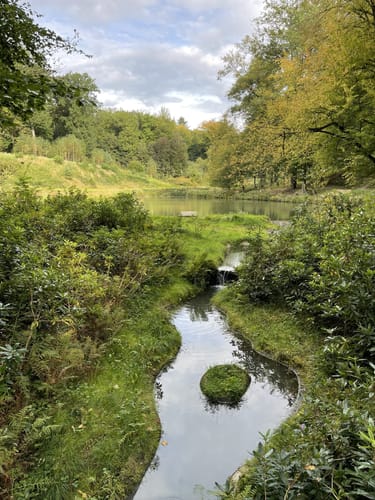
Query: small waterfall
{"points": [[226, 274]]}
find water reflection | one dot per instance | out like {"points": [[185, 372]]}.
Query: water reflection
{"points": [[201, 443], [174, 206], [266, 371]]}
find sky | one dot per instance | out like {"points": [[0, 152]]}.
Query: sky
{"points": [[153, 54]]}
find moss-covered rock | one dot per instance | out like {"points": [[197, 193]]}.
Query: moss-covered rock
{"points": [[225, 383]]}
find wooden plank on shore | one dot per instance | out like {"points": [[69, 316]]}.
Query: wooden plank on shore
{"points": [[188, 213]]}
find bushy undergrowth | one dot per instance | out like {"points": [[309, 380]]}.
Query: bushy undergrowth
{"points": [[322, 268], [84, 286], [69, 266]]}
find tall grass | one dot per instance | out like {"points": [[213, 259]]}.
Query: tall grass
{"points": [[50, 175]]}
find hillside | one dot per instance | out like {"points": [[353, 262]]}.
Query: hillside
{"points": [[49, 176]]}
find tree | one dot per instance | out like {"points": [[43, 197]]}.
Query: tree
{"points": [[26, 78], [304, 87], [70, 116], [170, 155], [222, 153]]}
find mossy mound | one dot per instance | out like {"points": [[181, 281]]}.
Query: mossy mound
{"points": [[225, 384]]}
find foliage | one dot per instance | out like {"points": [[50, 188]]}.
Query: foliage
{"points": [[170, 155], [68, 267], [202, 271], [327, 454], [303, 87], [225, 384], [321, 268], [25, 76], [29, 145]]}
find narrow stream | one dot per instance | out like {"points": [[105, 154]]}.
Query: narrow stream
{"points": [[201, 443]]}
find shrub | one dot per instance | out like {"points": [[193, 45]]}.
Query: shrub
{"points": [[322, 267]]}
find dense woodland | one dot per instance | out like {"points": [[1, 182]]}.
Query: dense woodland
{"points": [[303, 110], [85, 284]]}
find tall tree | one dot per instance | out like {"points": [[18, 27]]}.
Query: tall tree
{"points": [[26, 78], [305, 87], [69, 115], [170, 155]]}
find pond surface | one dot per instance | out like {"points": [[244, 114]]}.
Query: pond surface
{"points": [[201, 443], [174, 206]]}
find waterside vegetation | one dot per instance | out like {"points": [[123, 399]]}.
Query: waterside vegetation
{"points": [[86, 291], [306, 297]]}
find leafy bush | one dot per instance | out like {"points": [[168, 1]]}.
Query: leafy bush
{"points": [[331, 456], [202, 272], [58, 261], [323, 267]]}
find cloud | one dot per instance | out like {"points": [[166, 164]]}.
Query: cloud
{"points": [[145, 53]]}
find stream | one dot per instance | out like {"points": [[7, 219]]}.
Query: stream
{"points": [[203, 443]]}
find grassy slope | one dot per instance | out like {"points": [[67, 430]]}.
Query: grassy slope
{"points": [[274, 332], [48, 176]]}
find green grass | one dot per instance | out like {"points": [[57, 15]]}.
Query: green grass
{"points": [[49, 176], [210, 235], [272, 331], [225, 384]]}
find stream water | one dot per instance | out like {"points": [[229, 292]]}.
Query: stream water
{"points": [[202, 443]]}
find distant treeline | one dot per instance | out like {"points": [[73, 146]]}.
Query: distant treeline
{"points": [[67, 129], [303, 112]]}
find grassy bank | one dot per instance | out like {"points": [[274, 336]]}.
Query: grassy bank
{"points": [[306, 298], [274, 332], [366, 190], [93, 435]]}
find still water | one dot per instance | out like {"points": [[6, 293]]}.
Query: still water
{"points": [[174, 206], [202, 443]]}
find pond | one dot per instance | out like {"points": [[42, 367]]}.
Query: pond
{"points": [[174, 206], [202, 443]]}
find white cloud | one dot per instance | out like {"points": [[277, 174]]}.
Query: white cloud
{"points": [[153, 53]]}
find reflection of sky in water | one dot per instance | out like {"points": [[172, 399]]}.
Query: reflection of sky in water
{"points": [[206, 444], [174, 206]]}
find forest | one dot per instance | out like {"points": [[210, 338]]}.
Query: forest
{"points": [[87, 285], [303, 108]]}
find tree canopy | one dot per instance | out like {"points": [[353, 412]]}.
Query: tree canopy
{"points": [[26, 77], [304, 86]]}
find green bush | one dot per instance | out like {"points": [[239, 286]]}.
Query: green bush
{"points": [[202, 272], [323, 267], [66, 263]]}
